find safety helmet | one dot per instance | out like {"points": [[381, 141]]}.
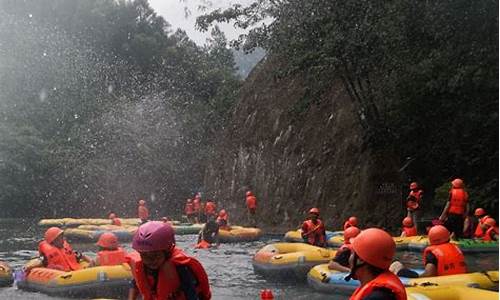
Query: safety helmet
{"points": [[353, 221], [491, 222], [154, 236], [108, 240], [457, 183], [52, 233], [479, 212], [350, 233], [222, 213], [112, 216], [314, 210], [413, 186], [438, 235], [408, 222], [249, 193], [142, 202], [375, 247]]}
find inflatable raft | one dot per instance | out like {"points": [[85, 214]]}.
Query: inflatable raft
{"points": [[329, 281], [73, 222], [95, 282], [289, 260], [91, 233], [433, 292], [6, 278], [239, 234], [294, 236], [187, 228]]}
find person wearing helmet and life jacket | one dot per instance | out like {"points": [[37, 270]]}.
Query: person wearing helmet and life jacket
{"points": [[56, 253], [209, 235], [197, 207], [110, 253], [409, 229], [481, 216], [341, 260], [456, 209], [413, 201], [352, 221], [114, 219], [490, 229], [189, 210], [372, 253], [251, 202], [163, 271], [223, 220], [210, 210], [313, 229], [143, 211]]}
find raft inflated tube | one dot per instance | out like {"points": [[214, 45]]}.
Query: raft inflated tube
{"points": [[187, 228], [85, 235], [104, 281], [295, 236], [6, 278], [289, 260], [75, 222], [449, 292], [239, 234]]}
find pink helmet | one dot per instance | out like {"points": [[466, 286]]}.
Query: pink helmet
{"points": [[142, 202], [154, 236]]}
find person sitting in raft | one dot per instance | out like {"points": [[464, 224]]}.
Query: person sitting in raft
{"points": [[163, 271], [372, 253], [114, 219], [210, 210], [440, 258], [110, 253], [481, 216], [209, 235], [490, 229], [56, 253], [456, 209], [223, 220], [251, 202], [142, 211], [189, 210], [352, 221], [313, 229], [341, 260], [409, 229]]}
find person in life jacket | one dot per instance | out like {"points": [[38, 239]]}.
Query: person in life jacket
{"points": [[490, 229], [163, 271], [409, 229], [110, 253], [313, 229], [352, 221], [456, 209], [251, 202], [341, 260], [440, 258], [481, 216], [189, 210], [197, 207], [114, 219], [56, 253], [209, 235], [143, 211], [372, 253], [223, 220], [210, 210], [413, 201]]}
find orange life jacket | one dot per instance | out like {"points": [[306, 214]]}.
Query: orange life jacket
{"points": [[479, 233], [143, 212], [116, 221], [385, 280], [458, 201], [314, 233], [410, 231], [111, 257], [210, 208], [449, 257], [203, 245], [196, 204], [188, 209], [169, 283], [489, 233], [251, 202], [60, 259], [347, 224], [417, 195]]}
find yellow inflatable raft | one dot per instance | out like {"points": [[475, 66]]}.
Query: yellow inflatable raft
{"points": [[295, 236], [91, 233], [449, 292], [239, 234], [6, 278], [289, 260], [74, 222]]}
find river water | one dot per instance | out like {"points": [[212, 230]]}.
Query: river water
{"points": [[229, 267]]}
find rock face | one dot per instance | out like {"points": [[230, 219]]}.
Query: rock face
{"points": [[296, 151]]}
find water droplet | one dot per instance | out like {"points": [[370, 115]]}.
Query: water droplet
{"points": [[30, 15], [110, 88], [43, 95], [76, 116]]}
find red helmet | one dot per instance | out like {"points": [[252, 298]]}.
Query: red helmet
{"points": [[407, 222], [112, 216], [108, 240], [353, 221], [350, 233], [491, 222], [413, 186], [438, 235], [154, 236], [142, 202], [222, 213], [457, 183], [479, 212], [249, 193], [314, 210], [374, 246], [52, 233]]}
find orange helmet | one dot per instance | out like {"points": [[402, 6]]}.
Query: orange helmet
{"points": [[249, 193], [52, 233], [413, 186], [438, 235], [353, 221], [457, 183], [112, 216], [407, 222], [374, 246], [479, 212], [491, 222], [142, 202], [314, 210], [222, 213], [108, 240], [350, 233]]}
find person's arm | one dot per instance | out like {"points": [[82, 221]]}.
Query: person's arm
{"points": [[430, 269], [132, 293], [403, 234], [444, 214], [188, 283], [340, 261], [333, 265], [36, 263]]}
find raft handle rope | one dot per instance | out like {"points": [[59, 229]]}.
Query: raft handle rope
{"points": [[489, 277]]}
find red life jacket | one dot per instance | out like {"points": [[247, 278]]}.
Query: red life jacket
{"points": [[417, 195], [188, 209], [251, 202], [315, 232], [60, 259], [210, 208], [196, 204], [169, 283], [111, 257], [489, 233], [479, 233], [449, 257], [143, 212], [116, 221], [347, 224], [203, 245], [458, 201], [385, 280], [410, 231]]}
